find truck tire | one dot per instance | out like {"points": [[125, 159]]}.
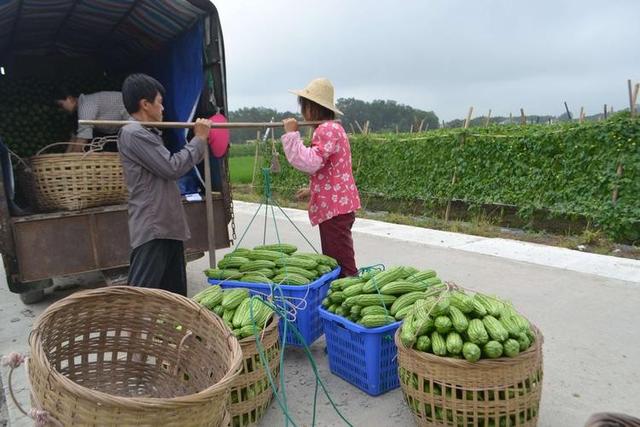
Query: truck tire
{"points": [[32, 297], [35, 291]]}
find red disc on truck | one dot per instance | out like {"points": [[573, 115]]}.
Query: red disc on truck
{"points": [[218, 138]]}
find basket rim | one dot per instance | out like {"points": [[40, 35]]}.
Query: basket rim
{"points": [[74, 155], [482, 364], [354, 327], [135, 402]]}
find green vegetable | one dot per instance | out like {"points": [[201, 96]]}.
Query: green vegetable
{"points": [[423, 343], [454, 343], [471, 352], [443, 324], [493, 349], [438, 344], [477, 332], [511, 348]]}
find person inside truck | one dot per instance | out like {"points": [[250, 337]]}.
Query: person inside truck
{"points": [[157, 222], [333, 194], [93, 106]]}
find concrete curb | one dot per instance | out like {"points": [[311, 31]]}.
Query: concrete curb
{"points": [[533, 253]]}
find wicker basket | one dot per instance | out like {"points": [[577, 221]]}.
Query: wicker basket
{"points": [[251, 391], [132, 356], [74, 181], [443, 391]]}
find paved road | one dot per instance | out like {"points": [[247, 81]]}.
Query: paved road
{"points": [[590, 323]]}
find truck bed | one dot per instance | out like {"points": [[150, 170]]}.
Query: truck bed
{"points": [[64, 243]]}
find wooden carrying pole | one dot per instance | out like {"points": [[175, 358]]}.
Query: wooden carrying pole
{"points": [[207, 166], [190, 125]]}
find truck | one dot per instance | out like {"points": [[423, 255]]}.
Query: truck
{"points": [[180, 43]]}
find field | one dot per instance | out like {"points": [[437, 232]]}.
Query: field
{"points": [[562, 178], [241, 169]]}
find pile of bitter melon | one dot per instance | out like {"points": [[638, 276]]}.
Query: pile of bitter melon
{"points": [[463, 325], [243, 314], [378, 298], [278, 263]]}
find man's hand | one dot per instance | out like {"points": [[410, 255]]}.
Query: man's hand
{"points": [[303, 194], [78, 146], [290, 125], [201, 129]]}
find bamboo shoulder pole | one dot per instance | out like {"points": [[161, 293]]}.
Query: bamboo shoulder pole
{"points": [[189, 125]]}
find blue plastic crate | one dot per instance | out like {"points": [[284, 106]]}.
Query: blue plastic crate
{"points": [[308, 321], [364, 357]]}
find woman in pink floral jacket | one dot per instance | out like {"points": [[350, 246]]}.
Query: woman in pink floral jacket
{"points": [[332, 189]]}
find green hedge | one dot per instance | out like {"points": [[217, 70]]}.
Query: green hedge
{"points": [[567, 169]]}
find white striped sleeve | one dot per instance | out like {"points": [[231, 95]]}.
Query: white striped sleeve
{"points": [[87, 110]]}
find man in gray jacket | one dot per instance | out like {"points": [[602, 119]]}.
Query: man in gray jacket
{"points": [[157, 222]]}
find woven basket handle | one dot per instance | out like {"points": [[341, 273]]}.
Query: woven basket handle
{"points": [[56, 144], [40, 416]]}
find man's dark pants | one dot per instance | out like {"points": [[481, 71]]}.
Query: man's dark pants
{"points": [[159, 264]]}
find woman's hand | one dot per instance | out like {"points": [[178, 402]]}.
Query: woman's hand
{"points": [[303, 194], [290, 125]]}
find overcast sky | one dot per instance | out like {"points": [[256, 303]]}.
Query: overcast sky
{"points": [[440, 55]]}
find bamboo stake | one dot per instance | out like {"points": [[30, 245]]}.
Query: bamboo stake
{"points": [[619, 171], [630, 98], [468, 120], [523, 118], [566, 107], [486, 123], [605, 111], [359, 127], [455, 172], [421, 124], [581, 114], [255, 159]]}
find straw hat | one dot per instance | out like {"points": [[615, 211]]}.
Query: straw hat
{"points": [[319, 91]]}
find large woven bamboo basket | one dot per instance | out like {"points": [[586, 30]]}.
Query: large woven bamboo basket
{"points": [[251, 391], [75, 181], [130, 356], [442, 391]]}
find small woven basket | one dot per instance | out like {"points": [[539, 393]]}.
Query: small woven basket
{"points": [[442, 391], [132, 356], [251, 391], [74, 181]]}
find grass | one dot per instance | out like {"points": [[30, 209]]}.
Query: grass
{"points": [[242, 150], [478, 225], [241, 169]]}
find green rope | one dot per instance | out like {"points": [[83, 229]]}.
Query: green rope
{"points": [[281, 396], [265, 363], [295, 226], [249, 226]]}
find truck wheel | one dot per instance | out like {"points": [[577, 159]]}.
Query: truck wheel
{"points": [[32, 297], [35, 292]]}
